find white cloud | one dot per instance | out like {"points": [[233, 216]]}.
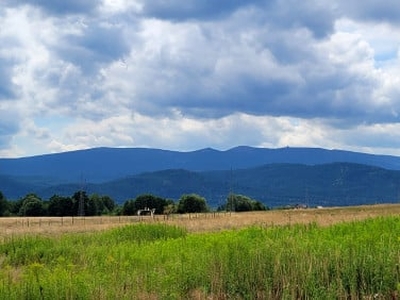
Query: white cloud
{"points": [[116, 7], [211, 74]]}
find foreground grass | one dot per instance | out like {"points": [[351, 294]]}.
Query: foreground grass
{"points": [[356, 260]]}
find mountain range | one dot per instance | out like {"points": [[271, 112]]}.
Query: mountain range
{"points": [[277, 177]]}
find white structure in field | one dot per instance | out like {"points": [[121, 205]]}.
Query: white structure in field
{"points": [[146, 211]]}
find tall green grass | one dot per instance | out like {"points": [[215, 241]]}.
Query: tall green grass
{"points": [[345, 261]]}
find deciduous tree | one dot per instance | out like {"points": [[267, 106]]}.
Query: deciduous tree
{"points": [[128, 209], [4, 206], [32, 205], [240, 203], [192, 203], [151, 202], [60, 206]]}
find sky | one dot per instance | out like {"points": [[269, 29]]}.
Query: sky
{"points": [[187, 75]]}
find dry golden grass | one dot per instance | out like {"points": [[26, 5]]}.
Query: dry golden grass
{"points": [[324, 217], [197, 222]]}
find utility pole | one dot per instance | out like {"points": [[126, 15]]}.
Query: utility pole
{"points": [[81, 205], [231, 193]]}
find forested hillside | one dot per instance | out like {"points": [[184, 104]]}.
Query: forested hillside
{"points": [[106, 164], [273, 184], [277, 177]]}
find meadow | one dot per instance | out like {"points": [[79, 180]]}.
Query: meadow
{"points": [[343, 253]]}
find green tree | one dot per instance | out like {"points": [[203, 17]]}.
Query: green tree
{"points": [[76, 200], [92, 207], [169, 209], [128, 209], [32, 205], [60, 206], [99, 205], [108, 204], [240, 203], [15, 206], [150, 201], [4, 205], [258, 205], [192, 203]]}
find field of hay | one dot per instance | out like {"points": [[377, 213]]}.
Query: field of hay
{"points": [[207, 222], [330, 253]]}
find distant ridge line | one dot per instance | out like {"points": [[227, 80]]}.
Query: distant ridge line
{"points": [[235, 148], [106, 163]]}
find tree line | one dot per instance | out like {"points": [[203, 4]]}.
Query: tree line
{"points": [[81, 204]]}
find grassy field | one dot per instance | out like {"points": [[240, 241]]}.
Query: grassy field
{"points": [[336, 253], [198, 222]]}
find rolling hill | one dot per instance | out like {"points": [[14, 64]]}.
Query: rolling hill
{"points": [[277, 177], [335, 184], [104, 164]]}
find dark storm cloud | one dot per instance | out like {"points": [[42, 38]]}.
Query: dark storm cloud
{"points": [[277, 97], [275, 69], [97, 45]]}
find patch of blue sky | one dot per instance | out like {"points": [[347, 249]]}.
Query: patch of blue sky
{"points": [[55, 122], [385, 58]]}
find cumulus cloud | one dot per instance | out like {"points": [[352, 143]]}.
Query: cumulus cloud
{"points": [[371, 10], [209, 73], [7, 88], [191, 9], [59, 7], [9, 124], [92, 46]]}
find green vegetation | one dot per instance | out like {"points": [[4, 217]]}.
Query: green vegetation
{"points": [[130, 207], [240, 203], [358, 260], [32, 205], [3, 204], [192, 203]]}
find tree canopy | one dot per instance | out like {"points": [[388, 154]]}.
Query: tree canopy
{"points": [[93, 205], [192, 203], [240, 203], [132, 206], [60, 206], [4, 207], [32, 205]]}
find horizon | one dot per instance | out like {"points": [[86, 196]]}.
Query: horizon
{"points": [[194, 150], [280, 174]]}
